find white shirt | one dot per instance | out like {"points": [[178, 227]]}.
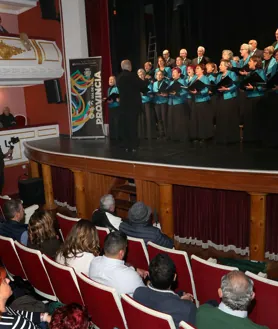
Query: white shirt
{"points": [[114, 273], [114, 220], [228, 310], [81, 264]]}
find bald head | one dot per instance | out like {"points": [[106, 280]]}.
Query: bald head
{"points": [[253, 44], [126, 65], [236, 290]]}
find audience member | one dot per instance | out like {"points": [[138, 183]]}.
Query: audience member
{"points": [[237, 293], [159, 296], [41, 233], [110, 269], [14, 226], [140, 226], [14, 319], [105, 215], [6, 118], [72, 316], [2, 29], [80, 247]]}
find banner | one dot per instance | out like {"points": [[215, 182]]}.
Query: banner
{"points": [[86, 97]]}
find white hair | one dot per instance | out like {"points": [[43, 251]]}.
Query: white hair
{"points": [[107, 201], [246, 47], [126, 65], [183, 50], [201, 48], [237, 290], [141, 71]]}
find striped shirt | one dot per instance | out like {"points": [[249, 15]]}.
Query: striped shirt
{"points": [[13, 319]]}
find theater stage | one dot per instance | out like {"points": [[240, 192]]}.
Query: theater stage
{"points": [[98, 165]]}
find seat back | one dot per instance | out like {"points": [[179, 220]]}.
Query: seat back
{"points": [[66, 224], [10, 259], [97, 298], [102, 233], [207, 278], [139, 316], [137, 254], [35, 271], [21, 120], [185, 281], [67, 292], [266, 301], [184, 325]]}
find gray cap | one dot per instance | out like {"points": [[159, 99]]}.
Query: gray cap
{"points": [[139, 213]]}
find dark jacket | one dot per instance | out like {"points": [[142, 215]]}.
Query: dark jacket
{"points": [[204, 60], [7, 120], [187, 61], [48, 247], [13, 229], [130, 86], [168, 302], [259, 53], [170, 63], [147, 232], [100, 219]]}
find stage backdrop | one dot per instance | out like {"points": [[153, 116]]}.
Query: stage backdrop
{"points": [[86, 98]]}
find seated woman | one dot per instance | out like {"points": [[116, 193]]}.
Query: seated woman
{"points": [[80, 247], [14, 319], [7, 120], [72, 316], [41, 233]]}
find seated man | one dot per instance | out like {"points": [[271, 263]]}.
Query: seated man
{"points": [[140, 226], [237, 293], [111, 270], [159, 296], [14, 226], [7, 119], [104, 216]]}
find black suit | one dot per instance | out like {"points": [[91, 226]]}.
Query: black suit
{"points": [[204, 60], [130, 86], [187, 61], [259, 53], [170, 62], [3, 30]]}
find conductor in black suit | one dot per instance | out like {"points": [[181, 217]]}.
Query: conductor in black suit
{"points": [[201, 59], [130, 86]]}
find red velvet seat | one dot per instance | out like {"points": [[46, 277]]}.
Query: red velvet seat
{"points": [[102, 233], [139, 316], [35, 271], [207, 278], [21, 120], [99, 298], [137, 254], [66, 224], [64, 281], [184, 325], [10, 258], [185, 281], [266, 301]]}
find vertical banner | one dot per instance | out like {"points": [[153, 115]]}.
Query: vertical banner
{"points": [[86, 98]]}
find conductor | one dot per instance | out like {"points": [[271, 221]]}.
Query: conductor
{"points": [[130, 87]]}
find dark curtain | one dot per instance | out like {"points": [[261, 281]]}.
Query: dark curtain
{"points": [[127, 30], [63, 185], [99, 39], [216, 25], [272, 223], [206, 214]]}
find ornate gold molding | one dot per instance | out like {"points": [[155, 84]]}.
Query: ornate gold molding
{"points": [[7, 51], [38, 49]]}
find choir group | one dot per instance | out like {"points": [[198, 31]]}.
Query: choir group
{"points": [[195, 100]]}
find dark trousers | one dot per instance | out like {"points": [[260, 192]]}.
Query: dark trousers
{"points": [[114, 117], [1, 180], [129, 129], [161, 114]]}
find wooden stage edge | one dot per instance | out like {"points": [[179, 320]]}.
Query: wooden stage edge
{"points": [[95, 176]]}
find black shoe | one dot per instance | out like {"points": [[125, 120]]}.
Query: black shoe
{"points": [[127, 150], [134, 150]]}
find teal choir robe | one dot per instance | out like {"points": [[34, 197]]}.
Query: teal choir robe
{"points": [[146, 98], [211, 77], [232, 92], [183, 69], [157, 98], [167, 72], [180, 97], [243, 62], [271, 69], [113, 90], [234, 63], [203, 95], [258, 91], [188, 82]]}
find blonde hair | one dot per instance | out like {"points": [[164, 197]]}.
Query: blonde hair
{"points": [[270, 49], [41, 227]]}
